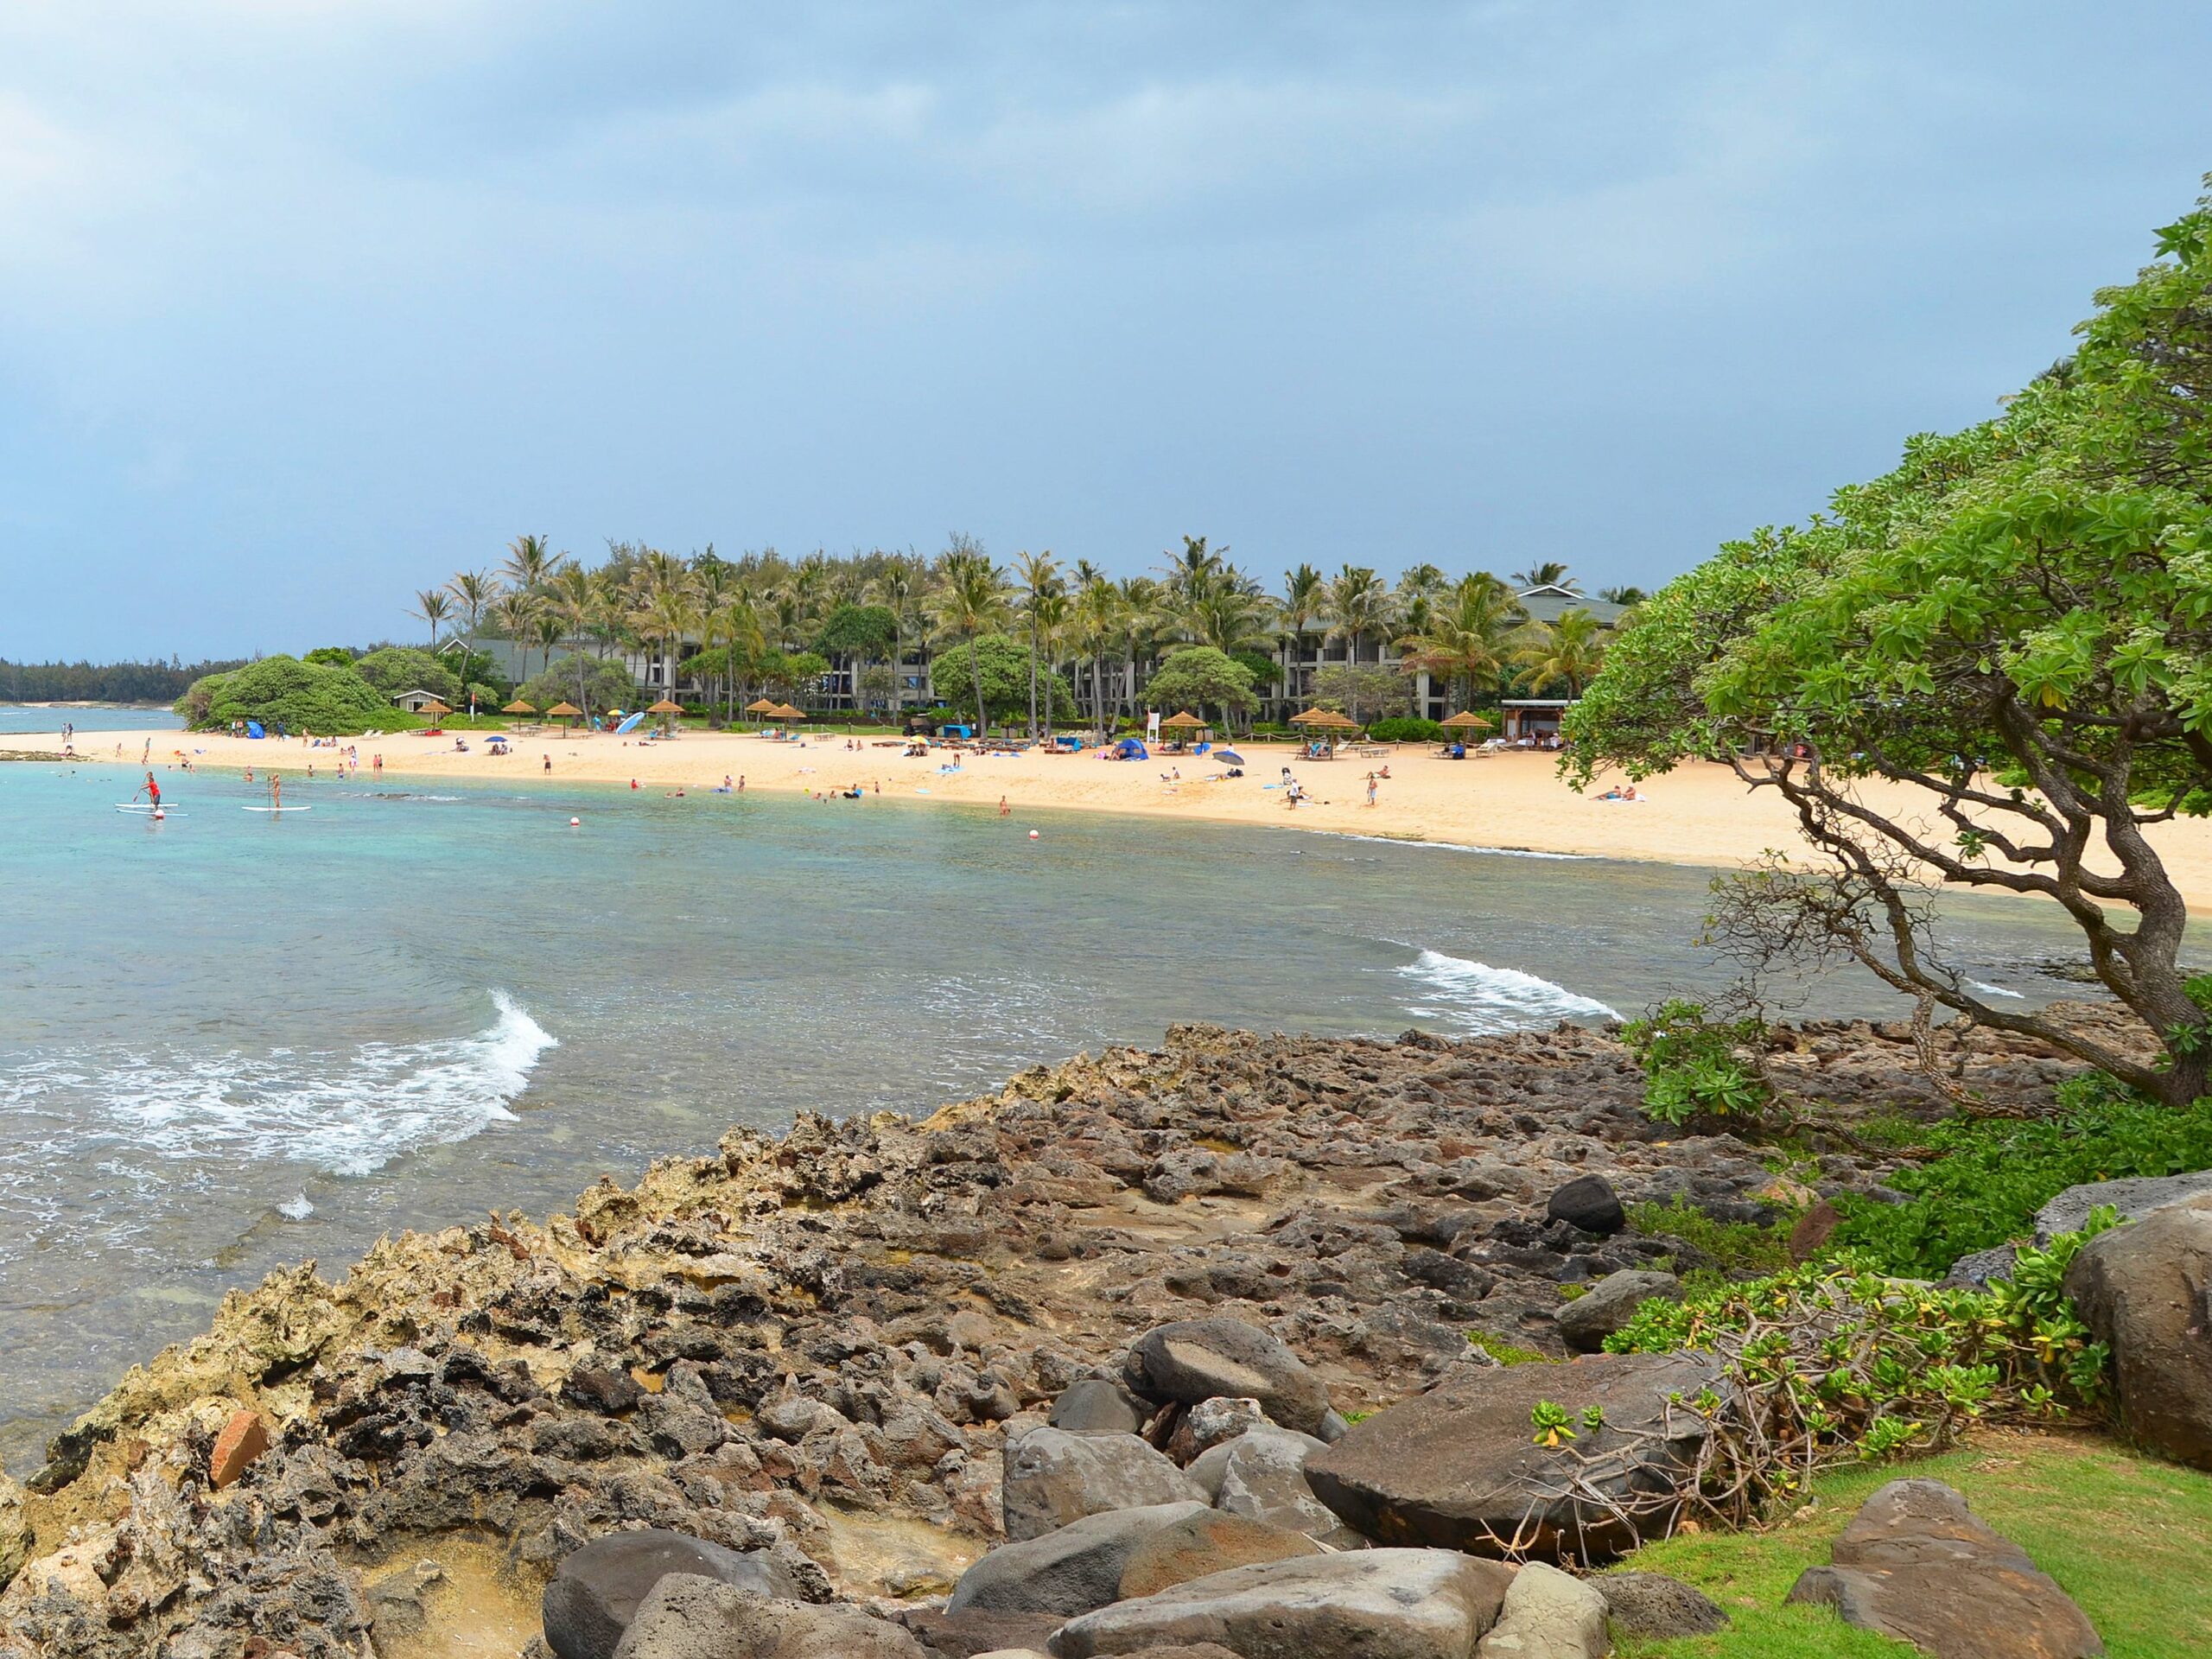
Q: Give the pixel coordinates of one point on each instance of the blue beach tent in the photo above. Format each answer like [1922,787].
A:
[253,730]
[1129,749]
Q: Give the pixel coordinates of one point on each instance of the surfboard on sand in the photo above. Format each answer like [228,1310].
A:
[277,809]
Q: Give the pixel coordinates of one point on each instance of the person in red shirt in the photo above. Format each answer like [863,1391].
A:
[149,788]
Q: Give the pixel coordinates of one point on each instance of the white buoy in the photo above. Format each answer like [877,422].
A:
[159,815]
[1032,835]
[573,822]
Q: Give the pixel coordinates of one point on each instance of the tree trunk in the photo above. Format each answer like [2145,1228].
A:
[975,673]
[1032,673]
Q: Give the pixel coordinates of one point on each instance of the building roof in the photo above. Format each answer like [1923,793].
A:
[427,696]
[1554,600]
[1535,702]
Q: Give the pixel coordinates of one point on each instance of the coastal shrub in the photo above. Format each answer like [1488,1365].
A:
[1505,1352]
[1006,682]
[395,668]
[603,686]
[1735,1246]
[198,698]
[1694,1066]
[1833,1362]
[301,696]
[1989,1176]
[1407,729]
[1199,677]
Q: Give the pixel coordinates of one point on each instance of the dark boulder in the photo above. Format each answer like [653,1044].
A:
[2134,1197]
[1456,1467]
[1372,1604]
[1589,1203]
[1067,1571]
[1915,1564]
[1190,1360]
[1053,1478]
[1653,1604]
[2146,1289]
[1584,1323]
[597,1589]
[1097,1405]
[691,1617]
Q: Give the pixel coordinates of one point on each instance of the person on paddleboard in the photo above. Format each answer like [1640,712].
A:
[275,791]
[151,789]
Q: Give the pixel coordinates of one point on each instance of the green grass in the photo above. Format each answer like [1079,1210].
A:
[1505,1352]
[1735,1246]
[2124,1535]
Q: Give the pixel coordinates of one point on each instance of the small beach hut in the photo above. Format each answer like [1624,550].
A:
[1182,724]
[565,710]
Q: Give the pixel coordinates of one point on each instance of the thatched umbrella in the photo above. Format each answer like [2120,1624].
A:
[1466,721]
[566,711]
[1312,717]
[1184,721]
[518,707]
[784,711]
[664,708]
[760,706]
[434,709]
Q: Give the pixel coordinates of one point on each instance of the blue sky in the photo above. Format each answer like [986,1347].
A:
[306,303]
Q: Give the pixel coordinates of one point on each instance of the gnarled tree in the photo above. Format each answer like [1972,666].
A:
[2013,632]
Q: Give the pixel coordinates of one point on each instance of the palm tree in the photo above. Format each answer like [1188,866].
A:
[573,601]
[473,592]
[1304,597]
[433,606]
[898,588]
[1549,573]
[549,630]
[530,563]
[1096,623]
[669,617]
[970,597]
[1569,651]
[1624,595]
[738,623]
[512,613]
[1359,604]
[1038,575]
[1469,637]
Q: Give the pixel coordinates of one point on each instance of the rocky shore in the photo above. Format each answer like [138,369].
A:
[827,1388]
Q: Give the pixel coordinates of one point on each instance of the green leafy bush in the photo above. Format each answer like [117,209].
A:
[604,685]
[1694,1066]
[1407,729]
[395,668]
[1832,1362]
[1735,1246]
[1992,1175]
[301,696]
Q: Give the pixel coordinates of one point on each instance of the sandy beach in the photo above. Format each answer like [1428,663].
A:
[1700,815]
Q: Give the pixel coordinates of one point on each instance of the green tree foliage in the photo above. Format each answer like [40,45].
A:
[395,668]
[102,682]
[862,630]
[332,656]
[606,685]
[792,674]
[1365,691]
[1199,677]
[317,698]
[2033,596]
[1006,679]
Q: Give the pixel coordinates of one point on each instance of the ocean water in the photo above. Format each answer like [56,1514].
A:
[31,717]
[230,1040]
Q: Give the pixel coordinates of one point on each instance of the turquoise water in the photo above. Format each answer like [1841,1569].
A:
[229,1040]
[28,717]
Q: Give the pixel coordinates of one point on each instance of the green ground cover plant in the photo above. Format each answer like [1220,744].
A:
[2123,1535]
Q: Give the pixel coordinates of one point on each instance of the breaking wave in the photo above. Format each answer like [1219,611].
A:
[342,1113]
[1480,999]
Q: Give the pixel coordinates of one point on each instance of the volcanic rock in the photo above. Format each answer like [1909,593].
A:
[1192,1360]
[1915,1564]
[1053,1478]
[1071,1569]
[687,1617]
[1457,1467]
[1653,1604]
[598,1588]
[1584,1323]
[1202,1543]
[2146,1289]
[1547,1614]
[1588,1202]
[1374,1604]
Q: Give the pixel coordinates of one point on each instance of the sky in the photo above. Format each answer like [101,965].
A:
[306,304]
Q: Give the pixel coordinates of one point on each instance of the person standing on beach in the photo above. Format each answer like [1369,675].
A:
[549,765]
[1370,789]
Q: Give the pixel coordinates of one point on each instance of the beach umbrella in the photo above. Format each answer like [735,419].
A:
[786,712]
[517,707]
[760,706]
[434,709]
[1466,721]
[664,707]
[1184,721]
[1228,757]
[566,711]
[1311,717]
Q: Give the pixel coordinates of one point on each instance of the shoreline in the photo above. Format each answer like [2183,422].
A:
[1511,804]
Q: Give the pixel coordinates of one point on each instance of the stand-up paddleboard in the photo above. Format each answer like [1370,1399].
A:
[149,812]
[277,809]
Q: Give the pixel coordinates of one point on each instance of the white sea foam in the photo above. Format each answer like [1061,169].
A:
[1987,990]
[1454,846]
[296,1208]
[344,1114]
[1480,998]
